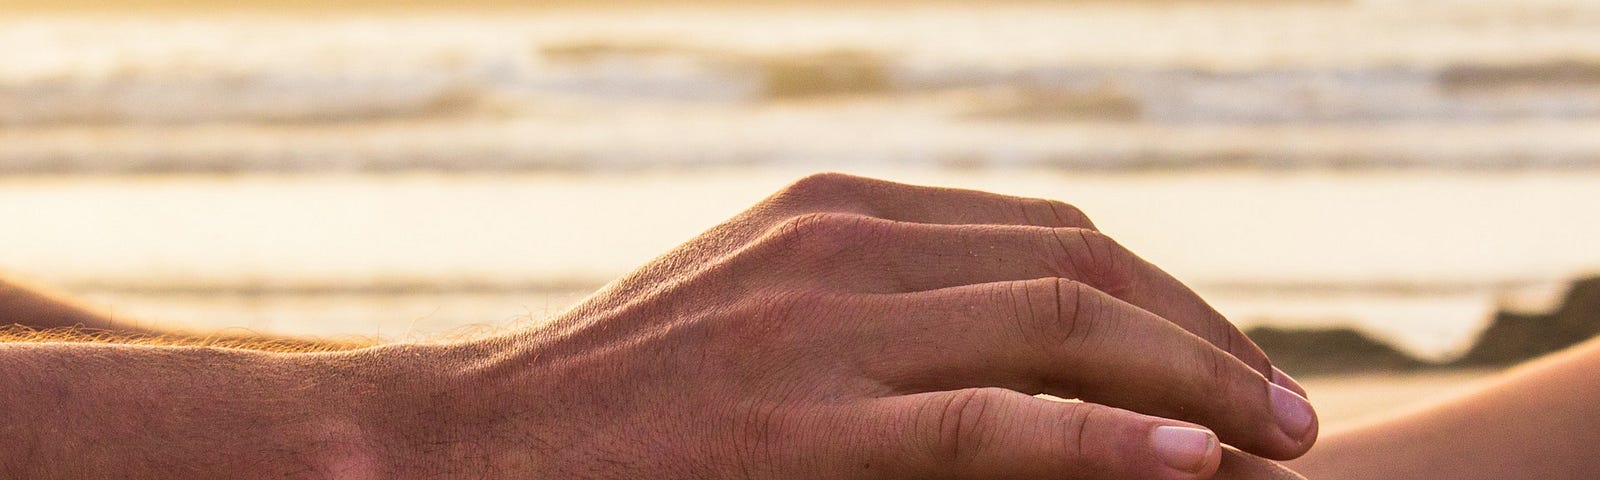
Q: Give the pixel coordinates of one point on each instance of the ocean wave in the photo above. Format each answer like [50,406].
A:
[1336,86]
[259,94]
[1561,89]
[785,138]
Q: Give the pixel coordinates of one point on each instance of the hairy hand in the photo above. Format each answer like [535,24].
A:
[853,328]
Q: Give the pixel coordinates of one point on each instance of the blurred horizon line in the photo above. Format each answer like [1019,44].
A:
[404,286]
[469,6]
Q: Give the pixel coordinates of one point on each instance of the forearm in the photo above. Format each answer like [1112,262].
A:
[30,313]
[1540,421]
[38,308]
[114,411]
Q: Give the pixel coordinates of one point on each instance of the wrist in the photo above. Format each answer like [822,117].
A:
[438,411]
[119,411]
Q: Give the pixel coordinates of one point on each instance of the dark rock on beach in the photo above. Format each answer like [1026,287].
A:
[1514,337]
[1340,350]
[1511,338]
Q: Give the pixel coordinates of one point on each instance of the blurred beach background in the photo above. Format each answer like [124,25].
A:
[1400,168]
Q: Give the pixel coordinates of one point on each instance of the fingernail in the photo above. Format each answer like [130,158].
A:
[1286,381]
[1294,413]
[1183,448]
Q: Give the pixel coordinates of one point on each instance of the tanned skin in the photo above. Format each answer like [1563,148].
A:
[31,313]
[1537,421]
[844,328]
[41,310]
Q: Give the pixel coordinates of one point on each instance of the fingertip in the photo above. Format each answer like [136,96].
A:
[1297,421]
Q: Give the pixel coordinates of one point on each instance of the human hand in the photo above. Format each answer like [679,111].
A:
[854,328]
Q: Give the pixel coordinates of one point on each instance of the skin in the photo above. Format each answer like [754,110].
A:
[843,328]
[39,309]
[30,313]
[1537,421]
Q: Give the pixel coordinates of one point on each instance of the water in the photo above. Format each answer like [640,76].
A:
[1401,166]
[1373,84]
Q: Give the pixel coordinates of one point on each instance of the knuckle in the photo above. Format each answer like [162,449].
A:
[1236,343]
[1062,315]
[963,423]
[828,188]
[1218,331]
[1093,257]
[1217,362]
[1069,214]
[1226,337]
[1081,423]
[824,234]
[1224,374]
[824,182]
[1055,213]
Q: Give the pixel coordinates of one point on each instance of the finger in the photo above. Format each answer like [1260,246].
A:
[894,256]
[997,433]
[1238,465]
[1064,338]
[840,193]
[845,194]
